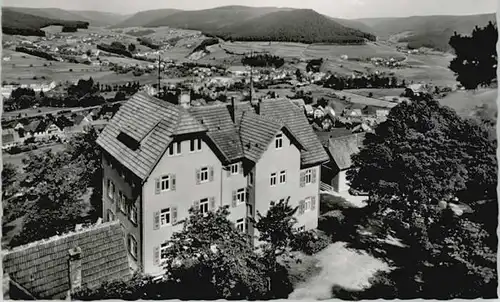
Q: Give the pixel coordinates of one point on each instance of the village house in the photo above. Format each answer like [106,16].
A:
[160,159]
[56,267]
[340,145]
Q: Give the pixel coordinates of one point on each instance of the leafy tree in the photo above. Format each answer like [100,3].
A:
[475,63]
[52,196]
[84,151]
[9,174]
[211,255]
[426,160]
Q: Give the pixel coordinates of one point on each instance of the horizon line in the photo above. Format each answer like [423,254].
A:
[282,7]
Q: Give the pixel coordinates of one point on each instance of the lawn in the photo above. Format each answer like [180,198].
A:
[467,103]
[339,266]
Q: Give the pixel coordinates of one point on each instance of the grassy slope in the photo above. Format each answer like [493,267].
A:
[145,17]
[95,18]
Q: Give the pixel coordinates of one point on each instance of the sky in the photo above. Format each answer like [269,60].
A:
[350,9]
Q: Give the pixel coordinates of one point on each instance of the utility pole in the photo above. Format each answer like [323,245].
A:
[159,72]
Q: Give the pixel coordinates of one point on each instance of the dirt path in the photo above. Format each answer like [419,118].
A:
[340,266]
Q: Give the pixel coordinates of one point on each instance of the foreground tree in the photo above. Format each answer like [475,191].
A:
[9,174]
[475,63]
[276,235]
[208,259]
[51,197]
[211,255]
[84,151]
[432,179]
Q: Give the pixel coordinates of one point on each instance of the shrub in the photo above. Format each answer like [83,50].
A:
[310,242]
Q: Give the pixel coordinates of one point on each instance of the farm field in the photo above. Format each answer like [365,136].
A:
[378,92]
[467,103]
[17,159]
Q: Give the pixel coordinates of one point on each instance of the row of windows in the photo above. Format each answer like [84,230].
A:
[168,216]
[168,182]
[176,147]
[122,205]
[282,178]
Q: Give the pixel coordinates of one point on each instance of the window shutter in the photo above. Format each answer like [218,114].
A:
[247,195]
[197,176]
[117,204]
[313,175]
[157,187]
[233,204]
[301,207]
[174,214]
[240,167]
[196,205]
[212,203]
[228,171]
[156,255]
[302,179]
[172,178]
[156,220]
[211,173]
[313,202]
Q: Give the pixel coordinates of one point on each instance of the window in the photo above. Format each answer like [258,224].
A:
[278,142]
[165,217]
[308,176]
[240,195]
[204,205]
[240,225]
[234,168]
[273,179]
[132,246]
[165,183]
[195,145]
[282,177]
[111,215]
[307,204]
[250,178]
[122,202]
[249,210]
[204,174]
[163,251]
[132,213]
[301,228]
[111,189]
[174,149]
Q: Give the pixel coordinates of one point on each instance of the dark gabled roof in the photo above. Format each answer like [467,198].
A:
[342,148]
[293,117]
[152,123]
[221,130]
[256,133]
[63,122]
[324,136]
[42,267]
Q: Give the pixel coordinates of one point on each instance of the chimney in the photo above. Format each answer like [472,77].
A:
[75,268]
[184,99]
